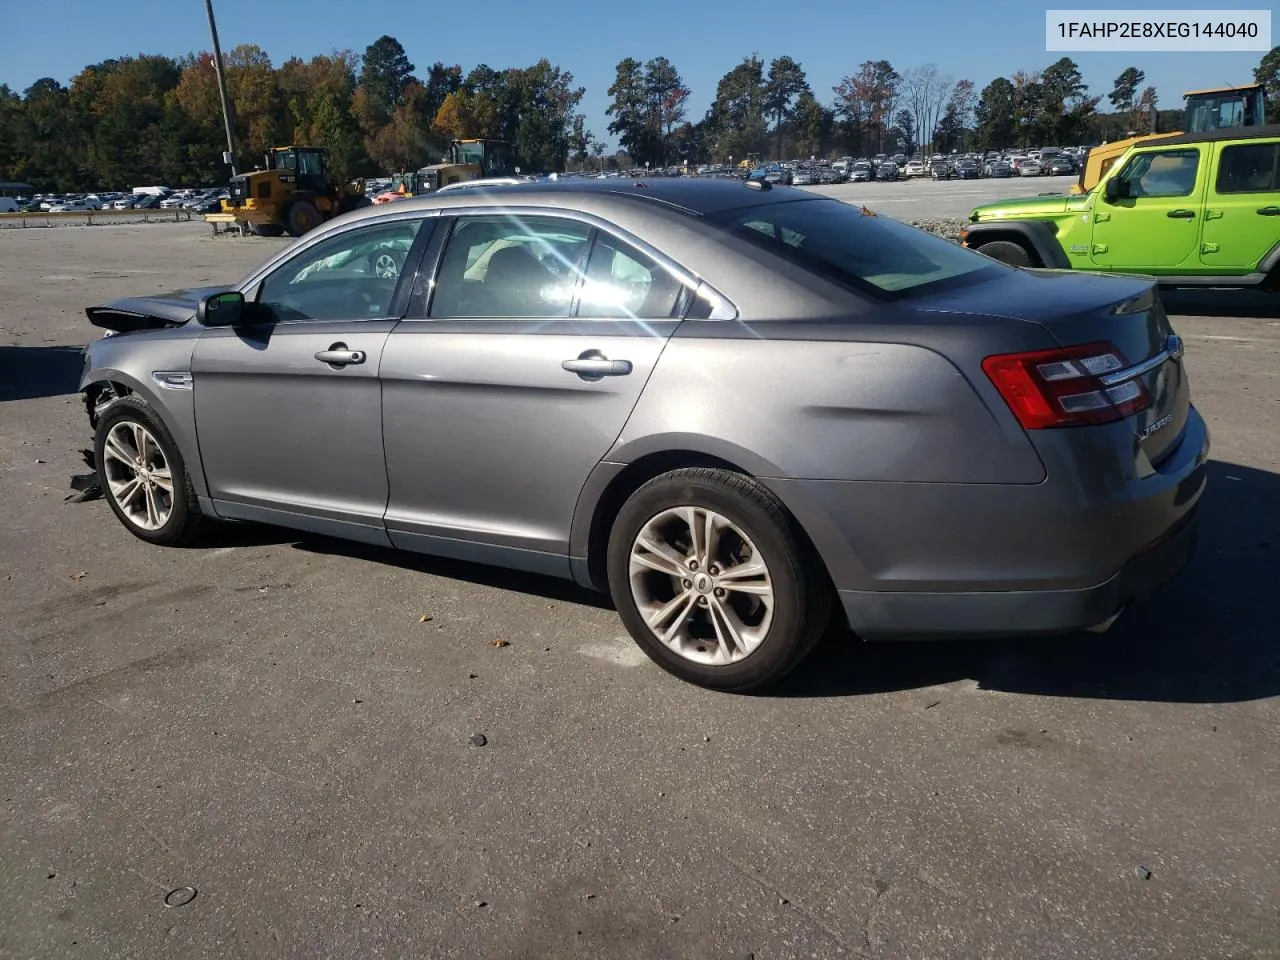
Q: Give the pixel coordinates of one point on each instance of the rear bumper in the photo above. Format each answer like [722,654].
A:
[942,616]
[936,560]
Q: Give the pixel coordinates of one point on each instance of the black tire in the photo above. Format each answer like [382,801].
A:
[266,229]
[185,519]
[802,590]
[1008,251]
[301,216]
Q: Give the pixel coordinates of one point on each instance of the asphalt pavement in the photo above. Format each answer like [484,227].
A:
[286,725]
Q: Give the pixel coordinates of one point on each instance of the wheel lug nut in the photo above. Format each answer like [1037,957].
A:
[719,591]
[713,569]
[702,601]
[686,583]
[693,564]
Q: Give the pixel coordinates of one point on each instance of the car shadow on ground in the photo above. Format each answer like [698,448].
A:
[1209,636]
[29,373]
[1245,304]
[552,588]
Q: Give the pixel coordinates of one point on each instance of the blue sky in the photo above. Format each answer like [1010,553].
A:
[978,41]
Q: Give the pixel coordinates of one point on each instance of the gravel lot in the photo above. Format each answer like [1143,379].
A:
[268,719]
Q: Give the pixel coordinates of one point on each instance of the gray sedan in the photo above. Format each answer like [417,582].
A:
[740,409]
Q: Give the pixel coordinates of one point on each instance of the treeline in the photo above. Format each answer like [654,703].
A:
[150,119]
[771,110]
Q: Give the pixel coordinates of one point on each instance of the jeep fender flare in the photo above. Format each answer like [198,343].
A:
[1037,236]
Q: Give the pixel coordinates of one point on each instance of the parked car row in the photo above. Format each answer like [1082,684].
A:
[204,200]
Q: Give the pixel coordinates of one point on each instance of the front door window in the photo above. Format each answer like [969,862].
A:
[351,276]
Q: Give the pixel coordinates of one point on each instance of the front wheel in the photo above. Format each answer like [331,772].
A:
[1006,251]
[141,471]
[715,581]
[301,217]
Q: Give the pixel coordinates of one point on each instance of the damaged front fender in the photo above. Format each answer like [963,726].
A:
[124,364]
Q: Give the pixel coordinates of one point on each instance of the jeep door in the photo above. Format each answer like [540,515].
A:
[1242,216]
[1156,228]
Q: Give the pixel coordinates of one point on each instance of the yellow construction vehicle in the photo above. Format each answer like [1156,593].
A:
[467,160]
[1213,109]
[291,194]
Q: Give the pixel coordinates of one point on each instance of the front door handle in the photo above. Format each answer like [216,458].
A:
[593,365]
[339,356]
[1181,214]
[1269,211]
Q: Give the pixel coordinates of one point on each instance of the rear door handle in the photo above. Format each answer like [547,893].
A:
[1181,214]
[339,356]
[593,366]
[1269,211]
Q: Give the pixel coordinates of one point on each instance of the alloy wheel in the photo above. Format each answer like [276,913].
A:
[138,476]
[701,585]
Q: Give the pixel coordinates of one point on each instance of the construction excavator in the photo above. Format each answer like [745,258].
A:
[1213,109]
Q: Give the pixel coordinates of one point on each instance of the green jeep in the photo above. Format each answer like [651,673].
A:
[1198,209]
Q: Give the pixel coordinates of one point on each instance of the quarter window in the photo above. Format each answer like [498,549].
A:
[1167,173]
[622,282]
[509,267]
[351,276]
[1250,168]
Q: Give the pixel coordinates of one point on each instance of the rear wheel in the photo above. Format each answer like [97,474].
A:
[714,580]
[301,217]
[1008,251]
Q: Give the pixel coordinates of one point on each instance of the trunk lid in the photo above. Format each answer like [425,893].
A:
[149,313]
[1127,312]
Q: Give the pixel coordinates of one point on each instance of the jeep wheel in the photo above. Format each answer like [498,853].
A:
[1008,251]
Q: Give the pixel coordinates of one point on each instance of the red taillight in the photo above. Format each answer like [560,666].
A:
[1062,388]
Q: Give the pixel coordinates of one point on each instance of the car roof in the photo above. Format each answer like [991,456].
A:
[1222,133]
[690,194]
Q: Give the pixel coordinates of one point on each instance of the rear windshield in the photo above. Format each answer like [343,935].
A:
[853,245]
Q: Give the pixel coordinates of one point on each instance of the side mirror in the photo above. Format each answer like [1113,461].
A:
[1116,189]
[221,309]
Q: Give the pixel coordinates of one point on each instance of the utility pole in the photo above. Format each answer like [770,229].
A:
[222,87]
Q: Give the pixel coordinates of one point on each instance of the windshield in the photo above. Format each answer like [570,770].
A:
[854,245]
[469,152]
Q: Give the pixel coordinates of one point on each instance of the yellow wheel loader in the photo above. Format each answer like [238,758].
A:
[467,160]
[291,194]
[1213,109]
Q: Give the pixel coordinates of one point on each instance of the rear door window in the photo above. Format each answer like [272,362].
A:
[1249,168]
[509,266]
